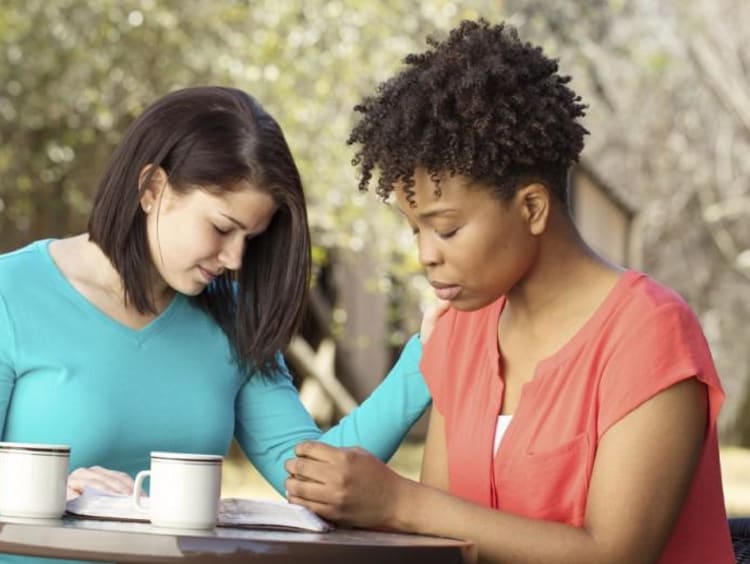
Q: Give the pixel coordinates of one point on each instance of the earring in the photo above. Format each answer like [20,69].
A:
[147,208]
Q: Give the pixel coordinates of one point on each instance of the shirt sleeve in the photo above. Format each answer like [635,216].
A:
[664,348]
[7,372]
[271,419]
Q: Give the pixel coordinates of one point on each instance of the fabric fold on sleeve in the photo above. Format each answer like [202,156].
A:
[665,348]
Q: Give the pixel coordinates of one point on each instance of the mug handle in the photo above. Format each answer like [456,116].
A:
[137,488]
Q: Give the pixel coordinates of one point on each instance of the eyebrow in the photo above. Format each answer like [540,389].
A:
[431,214]
[235,221]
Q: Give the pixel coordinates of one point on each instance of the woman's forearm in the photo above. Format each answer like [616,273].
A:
[499,536]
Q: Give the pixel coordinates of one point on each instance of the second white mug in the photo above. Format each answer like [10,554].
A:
[33,479]
[185,490]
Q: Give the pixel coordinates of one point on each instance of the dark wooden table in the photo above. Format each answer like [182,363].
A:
[88,539]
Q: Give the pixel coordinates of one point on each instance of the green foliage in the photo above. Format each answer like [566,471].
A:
[78,71]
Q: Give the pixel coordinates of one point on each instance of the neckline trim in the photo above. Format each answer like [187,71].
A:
[623,283]
[152,327]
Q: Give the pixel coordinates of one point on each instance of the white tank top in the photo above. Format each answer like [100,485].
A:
[502,425]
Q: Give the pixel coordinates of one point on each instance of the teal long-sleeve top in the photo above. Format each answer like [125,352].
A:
[69,374]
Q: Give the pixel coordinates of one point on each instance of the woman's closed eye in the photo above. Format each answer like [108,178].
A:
[442,234]
[222,230]
[447,234]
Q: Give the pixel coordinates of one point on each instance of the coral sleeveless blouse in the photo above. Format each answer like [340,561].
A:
[642,339]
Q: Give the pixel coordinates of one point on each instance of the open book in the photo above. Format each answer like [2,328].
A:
[233,512]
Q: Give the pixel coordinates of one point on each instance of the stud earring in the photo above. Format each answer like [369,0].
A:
[147,209]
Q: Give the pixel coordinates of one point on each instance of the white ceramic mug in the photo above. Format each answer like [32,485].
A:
[33,480]
[185,490]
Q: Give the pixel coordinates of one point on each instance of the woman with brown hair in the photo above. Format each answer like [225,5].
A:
[160,328]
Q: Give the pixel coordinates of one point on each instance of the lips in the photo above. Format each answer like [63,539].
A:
[446,291]
[208,275]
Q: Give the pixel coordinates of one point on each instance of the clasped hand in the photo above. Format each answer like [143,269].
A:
[348,486]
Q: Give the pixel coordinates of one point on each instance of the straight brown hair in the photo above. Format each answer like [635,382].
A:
[212,138]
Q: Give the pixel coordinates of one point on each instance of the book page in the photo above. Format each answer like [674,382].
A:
[233,512]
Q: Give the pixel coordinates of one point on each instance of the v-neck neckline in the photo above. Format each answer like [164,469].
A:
[494,357]
[141,334]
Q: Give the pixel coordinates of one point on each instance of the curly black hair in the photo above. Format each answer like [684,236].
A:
[481,104]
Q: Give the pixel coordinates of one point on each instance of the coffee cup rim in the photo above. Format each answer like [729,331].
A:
[9,446]
[186,456]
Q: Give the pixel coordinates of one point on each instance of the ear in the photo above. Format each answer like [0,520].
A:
[534,200]
[152,181]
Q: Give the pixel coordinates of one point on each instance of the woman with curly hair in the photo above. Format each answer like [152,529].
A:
[574,401]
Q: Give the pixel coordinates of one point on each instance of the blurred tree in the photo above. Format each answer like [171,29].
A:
[76,72]
[669,88]
[667,83]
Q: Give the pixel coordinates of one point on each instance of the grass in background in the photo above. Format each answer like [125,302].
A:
[735,473]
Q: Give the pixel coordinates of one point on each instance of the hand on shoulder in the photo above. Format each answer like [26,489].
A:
[430,317]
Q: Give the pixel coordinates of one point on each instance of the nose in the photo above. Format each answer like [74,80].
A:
[231,253]
[429,255]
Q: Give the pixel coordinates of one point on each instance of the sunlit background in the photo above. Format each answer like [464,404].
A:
[664,184]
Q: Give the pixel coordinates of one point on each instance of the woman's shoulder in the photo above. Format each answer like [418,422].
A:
[652,291]
[646,299]
[25,253]
[18,267]
[652,325]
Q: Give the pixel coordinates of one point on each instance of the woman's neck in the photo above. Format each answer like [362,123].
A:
[100,273]
[568,278]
